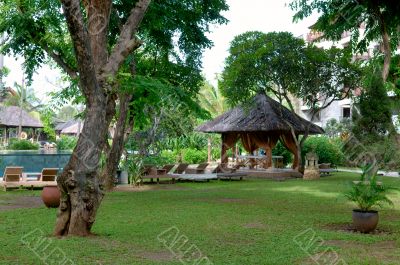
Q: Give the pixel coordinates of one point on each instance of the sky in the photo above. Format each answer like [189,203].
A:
[243,15]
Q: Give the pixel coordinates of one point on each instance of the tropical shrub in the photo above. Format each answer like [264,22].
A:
[280,150]
[66,142]
[328,149]
[368,192]
[193,156]
[134,165]
[160,160]
[16,144]
[170,157]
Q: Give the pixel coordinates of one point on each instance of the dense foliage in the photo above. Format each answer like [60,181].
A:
[280,150]
[328,150]
[66,142]
[17,144]
[280,64]
[373,120]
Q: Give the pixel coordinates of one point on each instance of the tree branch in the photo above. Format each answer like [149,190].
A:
[126,42]
[80,39]
[71,71]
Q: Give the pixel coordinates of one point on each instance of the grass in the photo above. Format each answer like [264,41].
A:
[237,222]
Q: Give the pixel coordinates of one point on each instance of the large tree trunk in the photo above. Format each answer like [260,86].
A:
[81,192]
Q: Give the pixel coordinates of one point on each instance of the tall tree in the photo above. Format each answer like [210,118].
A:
[94,43]
[282,65]
[381,19]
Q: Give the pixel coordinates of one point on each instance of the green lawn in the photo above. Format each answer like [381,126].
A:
[230,222]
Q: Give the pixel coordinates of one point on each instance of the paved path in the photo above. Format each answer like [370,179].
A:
[380,172]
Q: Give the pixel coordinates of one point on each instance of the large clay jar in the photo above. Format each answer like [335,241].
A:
[51,196]
[365,222]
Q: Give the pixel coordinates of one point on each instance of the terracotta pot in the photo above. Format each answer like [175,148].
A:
[365,222]
[51,196]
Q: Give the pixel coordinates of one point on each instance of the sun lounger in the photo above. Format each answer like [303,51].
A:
[326,169]
[48,174]
[221,168]
[12,177]
[200,169]
[231,176]
[152,172]
[181,168]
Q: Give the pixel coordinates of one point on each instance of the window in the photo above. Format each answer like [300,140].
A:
[346,112]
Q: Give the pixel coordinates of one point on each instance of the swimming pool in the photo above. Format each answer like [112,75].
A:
[34,161]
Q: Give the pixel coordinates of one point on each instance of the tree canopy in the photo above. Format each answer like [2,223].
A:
[283,65]
[381,20]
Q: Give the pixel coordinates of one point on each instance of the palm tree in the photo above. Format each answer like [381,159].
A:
[23,97]
[212,100]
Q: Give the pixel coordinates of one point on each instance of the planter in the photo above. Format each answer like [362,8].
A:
[365,222]
[51,196]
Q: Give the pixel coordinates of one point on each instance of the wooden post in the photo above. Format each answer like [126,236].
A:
[209,150]
[5,135]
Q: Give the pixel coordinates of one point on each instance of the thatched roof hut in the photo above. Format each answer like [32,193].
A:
[12,116]
[260,124]
[263,114]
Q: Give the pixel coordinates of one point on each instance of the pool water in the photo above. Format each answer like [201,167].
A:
[34,160]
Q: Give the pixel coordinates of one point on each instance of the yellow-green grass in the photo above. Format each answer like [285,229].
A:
[230,222]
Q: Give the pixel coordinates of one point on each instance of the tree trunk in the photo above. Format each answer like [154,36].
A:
[81,192]
[115,152]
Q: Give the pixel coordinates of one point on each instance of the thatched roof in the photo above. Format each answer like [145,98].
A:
[263,114]
[70,127]
[10,117]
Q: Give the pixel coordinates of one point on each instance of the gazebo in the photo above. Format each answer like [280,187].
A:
[13,117]
[260,124]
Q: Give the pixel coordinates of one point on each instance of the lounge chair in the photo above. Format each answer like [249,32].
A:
[200,169]
[326,169]
[168,167]
[48,174]
[181,168]
[222,168]
[152,172]
[12,177]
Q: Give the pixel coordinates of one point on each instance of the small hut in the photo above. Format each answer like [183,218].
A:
[13,117]
[260,124]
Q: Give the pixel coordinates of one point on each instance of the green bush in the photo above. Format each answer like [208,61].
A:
[328,149]
[166,157]
[16,144]
[194,156]
[66,142]
[170,156]
[280,150]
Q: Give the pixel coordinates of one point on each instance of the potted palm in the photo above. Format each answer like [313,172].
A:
[367,194]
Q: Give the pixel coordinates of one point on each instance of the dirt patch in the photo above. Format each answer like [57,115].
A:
[384,252]
[20,202]
[159,256]
[350,229]
[255,225]
[129,188]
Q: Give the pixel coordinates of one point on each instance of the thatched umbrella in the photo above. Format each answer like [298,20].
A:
[260,124]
